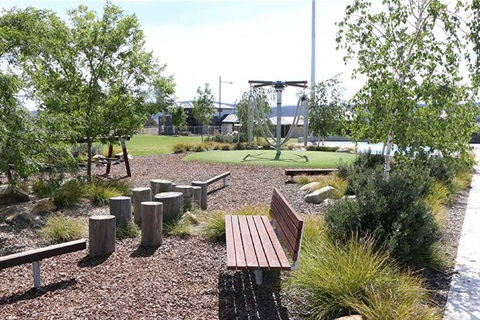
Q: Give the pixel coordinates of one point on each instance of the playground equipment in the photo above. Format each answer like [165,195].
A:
[254,114]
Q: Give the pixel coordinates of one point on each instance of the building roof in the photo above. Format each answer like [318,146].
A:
[286,121]
[231,118]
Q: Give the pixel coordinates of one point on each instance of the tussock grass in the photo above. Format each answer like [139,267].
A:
[100,195]
[213,225]
[61,229]
[179,228]
[127,230]
[353,278]
[69,194]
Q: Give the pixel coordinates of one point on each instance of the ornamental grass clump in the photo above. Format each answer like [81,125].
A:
[336,278]
[127,230]
[59,229]
[68,194]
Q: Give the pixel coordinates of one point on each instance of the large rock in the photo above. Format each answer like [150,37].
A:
[310,187]
[320,195]
[43,206]
[350,197]
[9,194]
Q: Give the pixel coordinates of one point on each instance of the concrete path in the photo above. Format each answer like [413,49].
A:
[464,296]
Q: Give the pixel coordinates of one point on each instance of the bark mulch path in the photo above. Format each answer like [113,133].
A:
[183,278]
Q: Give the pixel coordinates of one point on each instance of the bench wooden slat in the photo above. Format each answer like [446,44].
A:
[257,242]
[267,245]
[240,261]
[282,258]
[41,253]
[231,257]
[248,248]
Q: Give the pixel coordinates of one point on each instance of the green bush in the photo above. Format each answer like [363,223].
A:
[61,229]
[393,212]
[44,188]
[336,279]
[69,193]
[323,148]
[181,147]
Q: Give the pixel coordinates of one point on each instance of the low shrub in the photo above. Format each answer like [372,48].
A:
[179,228]
[200,147]
[127,230]
[181,147]
[323,148]
[69,193]
[61,229]
[335,279]
[44,188]
[393,212]
[100,195]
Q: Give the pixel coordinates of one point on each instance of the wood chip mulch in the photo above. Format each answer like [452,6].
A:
[184,278]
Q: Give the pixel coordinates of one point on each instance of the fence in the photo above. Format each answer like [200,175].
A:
[172,130]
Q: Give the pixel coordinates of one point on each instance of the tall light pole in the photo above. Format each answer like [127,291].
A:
[312,79]
[220,96]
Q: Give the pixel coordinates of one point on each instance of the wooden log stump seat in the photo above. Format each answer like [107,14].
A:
[139,195]
[101,235]
[187,195]
[121,208]
[172,205]
[203,193]
[196,196]
[34,256]
[152,219]
[158,186]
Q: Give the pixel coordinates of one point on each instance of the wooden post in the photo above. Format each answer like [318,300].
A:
[121,208]
[196,196]
[139,195]
[152,218]
[125,156]
[172,205]
[110,155]
[101,235]
[158,186]
[187,195]
[203,195]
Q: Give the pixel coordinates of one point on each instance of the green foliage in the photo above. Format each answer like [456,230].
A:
[68,194]
[100,194]
[243,105]
[326,109]
[392,212]
[61,229]
[202,106]
[45,188]
[414,89]
[335,279]
[127,230]
[322,148]
[182,147]
[179,228]
[178,116]
[90,75]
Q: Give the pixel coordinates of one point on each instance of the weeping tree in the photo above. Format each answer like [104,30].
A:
[326,114]
[245,103]
[414,97]
[93,72]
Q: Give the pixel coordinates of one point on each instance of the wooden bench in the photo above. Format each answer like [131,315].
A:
[35,255]
[204,185]
[309,172]
[254,244]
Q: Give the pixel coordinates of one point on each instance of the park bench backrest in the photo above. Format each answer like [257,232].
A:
[288,224]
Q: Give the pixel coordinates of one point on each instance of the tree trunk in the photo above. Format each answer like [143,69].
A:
[388,157]
[121,208]
[89,159]
[101,235]
[152,218]
[172,205]
[139,195]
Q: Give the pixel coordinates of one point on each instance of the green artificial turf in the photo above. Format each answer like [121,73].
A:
[287,159]
[145,145]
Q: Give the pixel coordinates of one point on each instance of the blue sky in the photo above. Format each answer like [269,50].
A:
[237,40]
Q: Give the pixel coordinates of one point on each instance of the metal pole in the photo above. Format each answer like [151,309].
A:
[279,122]
[312,78]
[219,98]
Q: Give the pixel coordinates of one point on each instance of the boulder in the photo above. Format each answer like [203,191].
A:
[329,201]
[43,206]
[9,194]
[351,197]
[320,195]
[310,187]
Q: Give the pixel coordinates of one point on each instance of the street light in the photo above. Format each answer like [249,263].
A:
[220,97]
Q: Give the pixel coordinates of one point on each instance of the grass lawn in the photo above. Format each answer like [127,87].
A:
[288,159]
[144,145]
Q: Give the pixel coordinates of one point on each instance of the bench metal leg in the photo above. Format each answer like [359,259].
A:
[225,182]
[36,274]
[258,277]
